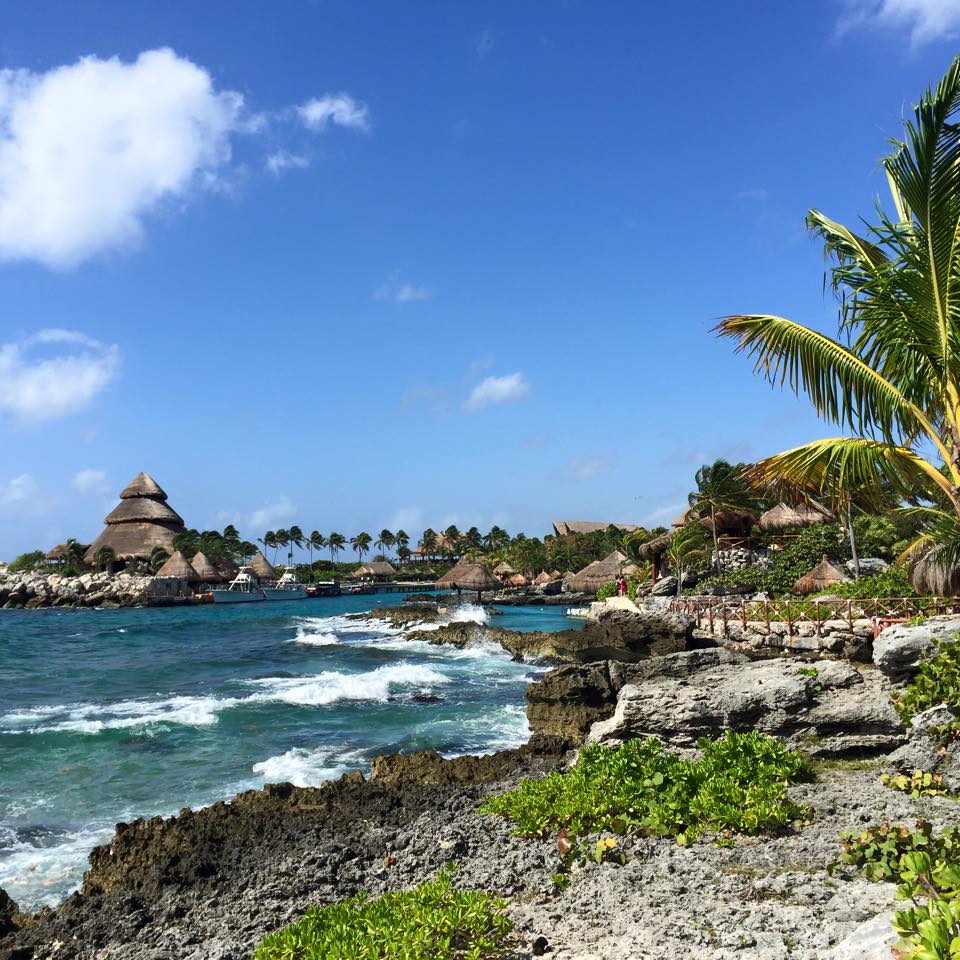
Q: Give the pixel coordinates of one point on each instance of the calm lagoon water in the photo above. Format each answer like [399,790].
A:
[113,714]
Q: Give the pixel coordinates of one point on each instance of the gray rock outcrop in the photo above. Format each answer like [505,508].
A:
[899,649]
[927,751]
[32,590]
[833,709]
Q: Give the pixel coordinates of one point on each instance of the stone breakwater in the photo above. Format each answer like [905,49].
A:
[33,590]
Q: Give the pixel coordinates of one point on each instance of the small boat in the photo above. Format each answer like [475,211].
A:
[288,587]
[243,588]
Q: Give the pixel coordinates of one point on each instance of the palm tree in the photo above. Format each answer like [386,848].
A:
[105,557]
[428,542]
[401,540]
[269,542]
[73,553]
[361,543]
[893,380]
[384,541]
[474,539]
[158,557]
[281,540]
[296,540]
[452,537]
[687,547]
[720,486]
[336,542]
[316,541]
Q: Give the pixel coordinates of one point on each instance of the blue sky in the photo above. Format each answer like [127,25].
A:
[352,265]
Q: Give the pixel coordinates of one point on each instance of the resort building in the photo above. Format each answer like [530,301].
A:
[561,528]
[141,522]
[377,571]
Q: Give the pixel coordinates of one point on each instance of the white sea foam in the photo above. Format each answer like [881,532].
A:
[345,625]
[492,730]
[308,768]
[314,638]
[469,613]
[332,687]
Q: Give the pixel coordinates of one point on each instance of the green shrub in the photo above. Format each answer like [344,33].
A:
[919,784]
[925,865]
[606,591]
[27,561]
[737,786]
[937,681]
[431,922]
[892,582]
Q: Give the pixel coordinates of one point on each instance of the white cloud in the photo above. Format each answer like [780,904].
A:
[88,149]
[925,19]
[338,108]
[586,468]
[484,43]
[506,389]
[283,160]
[396,290]
[90,481]
[754,193]
[19,490]
[668,512]
[273,513]
[47,387]
[409,519]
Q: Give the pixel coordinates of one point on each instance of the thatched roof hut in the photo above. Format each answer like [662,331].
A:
[469,576]
[823,576]
[681,520]
[655,548]
[930,575]
[593,576]
[140,523]
[555,575]
[542,578]
[375,570]
[503,570]
[518,580]
[731,523]
[262,567]
[786,517]
[179,566]
[562,528]
[206,571]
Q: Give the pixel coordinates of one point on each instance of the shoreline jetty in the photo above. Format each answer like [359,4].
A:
[212,883]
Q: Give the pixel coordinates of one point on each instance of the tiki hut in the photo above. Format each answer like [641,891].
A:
[732,524]
[206,571]
[140,523]
[823,576]
[503,570]
[595,575]
[563,528]
[681,520]
[542,578]
[469,576]
[556,575]
[226,568]
[180,567]
[786,517]
[653,550]
[378,571]
[262,568]
[518,580]
[930,575]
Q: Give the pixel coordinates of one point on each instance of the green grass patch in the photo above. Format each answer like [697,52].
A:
[937,681]
[433,921]
[737,786]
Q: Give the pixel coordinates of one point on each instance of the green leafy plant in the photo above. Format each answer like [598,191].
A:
[918,784]
[606,591]
[937,681]
[808,671]
[737,786]
[433,921]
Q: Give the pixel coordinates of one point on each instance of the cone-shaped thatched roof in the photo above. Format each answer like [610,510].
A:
[139,524]
[821,577]
[206,571]
[555,574]
[469,576]
[542,578]
[503,569]
[929,575]
[262,568]
[518,580]
[596,574]
[786,517]
[143,485]
[375,568]
[655,548]
[179,566]
[680,520]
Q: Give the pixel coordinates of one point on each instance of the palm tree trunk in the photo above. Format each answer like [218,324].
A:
[716,540]
[853,542]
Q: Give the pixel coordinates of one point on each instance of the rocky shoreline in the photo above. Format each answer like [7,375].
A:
[211,883]
[31,591]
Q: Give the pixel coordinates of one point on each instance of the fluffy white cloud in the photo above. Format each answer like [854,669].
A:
[53,374]
[409,519]
[90,481]
[283,160]
[338,108]
[86,150]
[273,513]
[506,389]
[19,490]
[396,290]
[586,468]
[925,19]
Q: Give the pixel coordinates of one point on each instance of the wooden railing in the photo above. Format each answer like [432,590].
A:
[715,614]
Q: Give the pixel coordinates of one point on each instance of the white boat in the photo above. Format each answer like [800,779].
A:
[288,587]
[243,588]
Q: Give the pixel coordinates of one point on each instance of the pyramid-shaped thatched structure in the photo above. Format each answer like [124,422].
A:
[179,566]
[206,571]
[141,522]
[262,567]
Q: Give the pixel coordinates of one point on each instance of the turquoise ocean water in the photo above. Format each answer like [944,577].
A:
[109,715]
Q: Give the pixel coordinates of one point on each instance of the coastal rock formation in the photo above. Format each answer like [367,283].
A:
[833,709]
[835,639]
[899,649]
[32,590]
[567,701]
[926,751]
[8,913]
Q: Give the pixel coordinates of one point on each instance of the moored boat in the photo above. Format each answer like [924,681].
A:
[288,587]
[243,588]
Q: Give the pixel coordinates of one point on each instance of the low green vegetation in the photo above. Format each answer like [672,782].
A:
[926,867]
[27,562]
[937,681]
[737,786]
[433,921]
[918,784]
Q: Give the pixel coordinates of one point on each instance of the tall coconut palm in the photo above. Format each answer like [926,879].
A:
[720,487]
[892,376]
[401,540]
[269,542]
[73,552]
[296,540]
[316,541]
[384,541]
[686,549]
[105,558]
[361,544]
[428,542]
[336,542]
[281,541]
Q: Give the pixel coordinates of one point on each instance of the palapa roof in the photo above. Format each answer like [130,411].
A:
[680,520]
[206,571]
[563,527]
[556,574]
[262,567]
[518,580]
[179,566]
[55,553]
[930,575]
[139,524]
[731,520]
[469,576]
[821,577]
[375,568]
[786,517]
[441,542]
[657,546]
[541,578]
[600,572]
[503,569]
